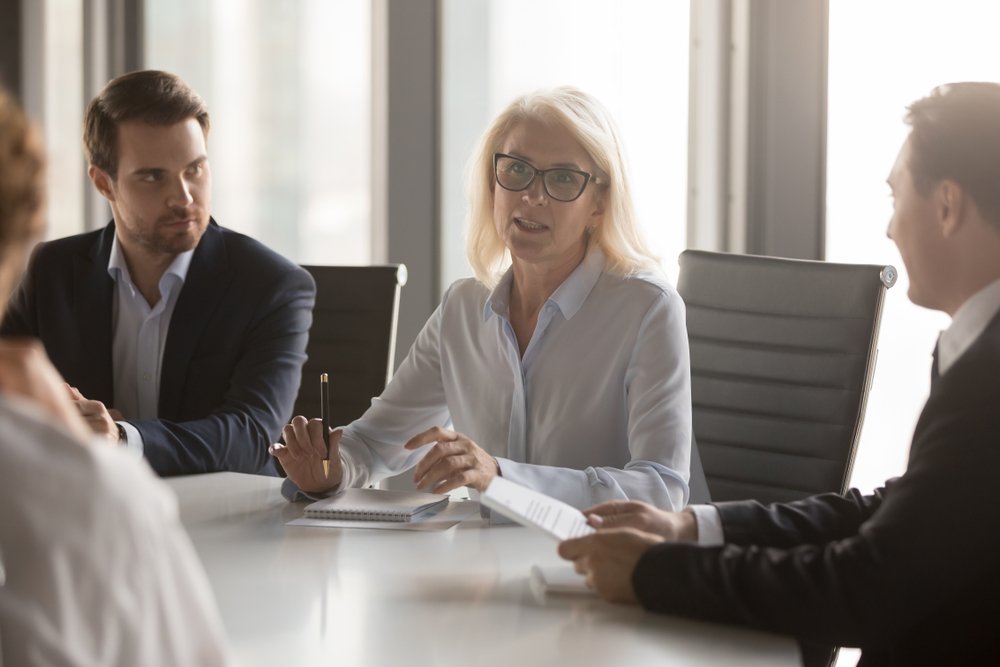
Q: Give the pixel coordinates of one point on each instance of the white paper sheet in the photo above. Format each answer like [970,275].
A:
[559,579]
[531,508]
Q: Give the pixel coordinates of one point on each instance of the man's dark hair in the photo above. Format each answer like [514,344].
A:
[956,136]
[149,96]
[22,176]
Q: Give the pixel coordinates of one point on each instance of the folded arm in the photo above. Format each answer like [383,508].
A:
[262,387]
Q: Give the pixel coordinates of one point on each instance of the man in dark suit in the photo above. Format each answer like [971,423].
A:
[194,334]
[910,573]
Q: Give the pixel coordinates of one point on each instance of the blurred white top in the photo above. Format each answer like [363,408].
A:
[96,569]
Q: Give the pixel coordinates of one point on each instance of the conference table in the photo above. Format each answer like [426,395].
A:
[294,595]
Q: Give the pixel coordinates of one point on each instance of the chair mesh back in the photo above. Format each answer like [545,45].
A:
[782,353]
[352,338]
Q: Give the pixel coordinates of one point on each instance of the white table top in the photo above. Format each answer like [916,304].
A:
[346,597]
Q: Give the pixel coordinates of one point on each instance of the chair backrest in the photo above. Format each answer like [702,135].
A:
[782,355]
[353,338]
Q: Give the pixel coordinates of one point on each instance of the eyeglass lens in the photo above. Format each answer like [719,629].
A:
[560,184]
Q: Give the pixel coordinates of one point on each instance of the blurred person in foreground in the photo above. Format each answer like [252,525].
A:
[95,568]
[910,572]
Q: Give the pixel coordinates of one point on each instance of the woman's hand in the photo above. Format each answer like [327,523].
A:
[672,526]
[453,462]
[303,453]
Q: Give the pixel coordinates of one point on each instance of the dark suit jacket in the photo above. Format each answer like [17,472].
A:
[233,357]
[911,574]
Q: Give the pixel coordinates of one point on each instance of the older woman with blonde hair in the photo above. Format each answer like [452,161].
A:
[563,365]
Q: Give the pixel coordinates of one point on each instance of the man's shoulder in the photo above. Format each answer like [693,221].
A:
[247,255]
[64,248]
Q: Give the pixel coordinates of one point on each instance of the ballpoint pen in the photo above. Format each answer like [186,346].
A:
[324,406]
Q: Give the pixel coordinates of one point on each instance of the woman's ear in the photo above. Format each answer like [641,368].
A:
[600,205]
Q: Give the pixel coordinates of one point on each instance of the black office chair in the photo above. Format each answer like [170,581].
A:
[782,355]
[353,338]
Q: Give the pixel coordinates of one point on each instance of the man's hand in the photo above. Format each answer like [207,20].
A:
[303,452]
[607,559]
[26,371]
[671,526]
[453,462]
[97,417]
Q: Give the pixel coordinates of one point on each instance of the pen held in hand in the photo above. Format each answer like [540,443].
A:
[324,406]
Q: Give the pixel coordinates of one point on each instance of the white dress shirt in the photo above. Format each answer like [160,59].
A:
[599,407]
[966,326]
[95,569]
[969,322]
[139,334]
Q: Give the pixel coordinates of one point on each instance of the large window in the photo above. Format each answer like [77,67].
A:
[633,57]
[53,94]
[288,85]
[884,55]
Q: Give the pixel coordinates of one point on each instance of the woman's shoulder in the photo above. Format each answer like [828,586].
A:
[465,292]
[644,285]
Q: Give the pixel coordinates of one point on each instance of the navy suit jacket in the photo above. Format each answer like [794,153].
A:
[911,573]
[233,357]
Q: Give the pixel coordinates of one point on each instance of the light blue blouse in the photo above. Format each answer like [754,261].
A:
[599,407]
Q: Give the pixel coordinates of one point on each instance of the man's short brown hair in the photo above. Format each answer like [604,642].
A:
[22,175]
[149,96]
[956,136]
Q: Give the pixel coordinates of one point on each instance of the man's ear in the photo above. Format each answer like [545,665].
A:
[102,181]
[951,206]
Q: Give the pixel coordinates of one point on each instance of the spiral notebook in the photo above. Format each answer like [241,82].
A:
[376,505]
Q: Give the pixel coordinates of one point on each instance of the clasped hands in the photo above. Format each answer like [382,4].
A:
[99,418]
[626,529]
[454,460]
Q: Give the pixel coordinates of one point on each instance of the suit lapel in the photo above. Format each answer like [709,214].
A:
[207,280]
[94,290]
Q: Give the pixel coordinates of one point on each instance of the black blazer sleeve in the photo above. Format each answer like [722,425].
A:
[910,565]
[232,360]
[815,520]
[240,384]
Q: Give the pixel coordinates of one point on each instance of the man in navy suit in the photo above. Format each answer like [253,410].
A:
[179,339]
[910,573]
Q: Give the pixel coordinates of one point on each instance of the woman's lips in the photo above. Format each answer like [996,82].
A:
[529,226]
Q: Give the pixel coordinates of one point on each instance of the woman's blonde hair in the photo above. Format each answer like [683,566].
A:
[592,126]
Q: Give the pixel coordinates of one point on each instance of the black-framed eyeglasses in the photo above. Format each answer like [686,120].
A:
[560,183]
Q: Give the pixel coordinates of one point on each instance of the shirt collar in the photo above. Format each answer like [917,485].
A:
[569,296]
[968,324]
[118,268]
